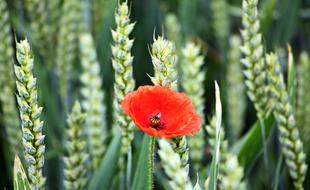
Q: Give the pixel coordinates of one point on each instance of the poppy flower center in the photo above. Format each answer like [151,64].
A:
[156,123]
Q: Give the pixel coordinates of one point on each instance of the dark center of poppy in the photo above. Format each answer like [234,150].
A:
[156,123]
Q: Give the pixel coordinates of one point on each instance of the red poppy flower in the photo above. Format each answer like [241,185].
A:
[162,112]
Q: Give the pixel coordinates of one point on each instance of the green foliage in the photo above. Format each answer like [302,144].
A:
[106,173]
[75,163]
[93,97]
[141,180]
[250,146]
[30,112]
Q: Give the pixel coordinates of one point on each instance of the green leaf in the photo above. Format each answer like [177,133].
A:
[250,147]
[141,178]
[286,26]
[20,178]
[104,176]
[216,158]
[267,14]
[291,77]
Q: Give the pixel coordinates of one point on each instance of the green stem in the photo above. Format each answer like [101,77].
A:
[263,130]
[265,151]
[151,159]
[129,167]
[278,172]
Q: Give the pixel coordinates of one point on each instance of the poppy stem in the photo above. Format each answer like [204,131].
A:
[151,159]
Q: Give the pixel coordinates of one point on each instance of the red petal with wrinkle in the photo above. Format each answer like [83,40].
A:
[178,114]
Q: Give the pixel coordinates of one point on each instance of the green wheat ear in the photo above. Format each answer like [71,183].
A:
[172,164]
[236,101]
[254,64]
[30,112]
[292,146]
[303,98]
[93,97]
[67,47]
[76,161]
[38,15]
[122,64]
[192,83]
[221,22]
[163,59]
[7,98]
[174,34]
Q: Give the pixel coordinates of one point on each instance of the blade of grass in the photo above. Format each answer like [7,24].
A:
[250,146]
[20,178]
[278,172]
[216,158]
[291,76]
[267,14]
[141,178]
[104,177]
